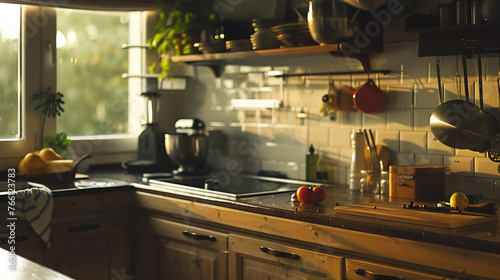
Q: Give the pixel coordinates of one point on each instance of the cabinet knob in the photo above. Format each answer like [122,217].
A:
[279,254]
[199,236]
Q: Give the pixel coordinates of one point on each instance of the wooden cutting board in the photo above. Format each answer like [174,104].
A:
[415,217]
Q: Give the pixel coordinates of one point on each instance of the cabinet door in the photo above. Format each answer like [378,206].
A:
[178,251]
[28,245]
[252,258]
[80,250]
[361,270]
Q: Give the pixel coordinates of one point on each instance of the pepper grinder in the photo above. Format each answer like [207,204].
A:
[357,160]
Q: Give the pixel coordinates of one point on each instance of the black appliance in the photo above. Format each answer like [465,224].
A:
[152,156]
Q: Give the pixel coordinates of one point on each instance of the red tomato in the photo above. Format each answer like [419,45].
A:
[311,195]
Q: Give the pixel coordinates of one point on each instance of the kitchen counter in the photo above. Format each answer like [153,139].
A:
[482,237]
[23,268]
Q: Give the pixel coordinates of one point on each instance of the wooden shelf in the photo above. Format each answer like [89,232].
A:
[217,60]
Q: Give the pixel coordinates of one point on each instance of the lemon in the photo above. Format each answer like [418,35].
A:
[34,162]
[459,200]
[49,154]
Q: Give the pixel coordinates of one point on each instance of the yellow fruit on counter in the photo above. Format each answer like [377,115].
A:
[459,200]
[34,163]
[22,169]
[61,165]
[49,154]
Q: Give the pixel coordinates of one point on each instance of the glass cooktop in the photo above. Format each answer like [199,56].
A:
[225,186]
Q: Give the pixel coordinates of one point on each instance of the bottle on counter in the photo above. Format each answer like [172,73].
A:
[357,160]
[311,163]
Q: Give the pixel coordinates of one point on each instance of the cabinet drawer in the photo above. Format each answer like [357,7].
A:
[354,268]
[190,234]
[245,251]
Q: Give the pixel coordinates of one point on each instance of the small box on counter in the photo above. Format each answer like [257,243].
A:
[419,182]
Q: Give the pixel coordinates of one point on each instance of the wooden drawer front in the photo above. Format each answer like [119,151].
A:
[373,268]
[190,234]
[247,252]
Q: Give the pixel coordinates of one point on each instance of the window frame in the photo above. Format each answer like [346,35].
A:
[37,71]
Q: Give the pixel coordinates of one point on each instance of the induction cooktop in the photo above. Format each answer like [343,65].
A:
[225,186]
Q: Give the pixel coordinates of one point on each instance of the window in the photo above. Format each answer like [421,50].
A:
[90,63]
[9,71]
[103,111]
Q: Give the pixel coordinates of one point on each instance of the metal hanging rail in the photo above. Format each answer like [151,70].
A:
[335,73]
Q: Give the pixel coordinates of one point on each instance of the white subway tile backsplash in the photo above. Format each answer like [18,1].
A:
[351,119]
[435,160]
[375,121]
[426,97]
[468,153]
[388,138]
[486,168]
[398,97]
[491,68]
[462,166]
[414,142]
[436,147]
[490,94]
[269,164]
[485,187]
[421,119]
[341,137]
[290,168]
[399,119]
[404,159]
[319,136]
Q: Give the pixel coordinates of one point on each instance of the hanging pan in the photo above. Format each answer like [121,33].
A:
[459,123]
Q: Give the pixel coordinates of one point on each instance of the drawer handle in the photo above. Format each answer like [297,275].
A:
[196,236]
[279,254]
[373,276]
[18,239]
[84,228]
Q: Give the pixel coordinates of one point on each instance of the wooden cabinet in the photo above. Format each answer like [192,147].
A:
[172,250]
[359,270]
[28,245]
[92,249]
[259,258]
[81,250]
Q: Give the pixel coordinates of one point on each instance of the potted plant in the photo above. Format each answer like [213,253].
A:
[50,103]
[180,25]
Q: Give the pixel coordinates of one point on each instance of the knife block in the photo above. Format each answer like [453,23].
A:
[417,182]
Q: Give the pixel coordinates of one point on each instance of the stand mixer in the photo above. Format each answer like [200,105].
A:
[152,156]
[188,147]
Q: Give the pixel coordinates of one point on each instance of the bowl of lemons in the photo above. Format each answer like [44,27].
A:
[47,167]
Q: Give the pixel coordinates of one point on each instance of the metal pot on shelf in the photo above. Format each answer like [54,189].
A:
[330,22]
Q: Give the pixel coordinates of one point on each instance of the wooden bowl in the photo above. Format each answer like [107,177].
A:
[54,180]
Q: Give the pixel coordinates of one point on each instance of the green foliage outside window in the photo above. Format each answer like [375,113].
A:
[90,63]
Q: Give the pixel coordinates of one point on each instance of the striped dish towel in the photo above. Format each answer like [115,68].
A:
[35,205]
